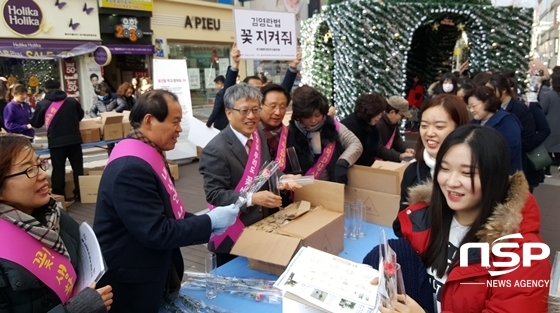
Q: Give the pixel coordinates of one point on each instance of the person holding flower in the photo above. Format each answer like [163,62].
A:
[473,199]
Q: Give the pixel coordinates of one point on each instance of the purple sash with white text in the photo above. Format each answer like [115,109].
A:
[251,171]
[139,149]
[281,150]
[49,266]
[319,167]
[51,112]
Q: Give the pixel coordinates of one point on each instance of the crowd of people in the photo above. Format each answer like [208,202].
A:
[469,180]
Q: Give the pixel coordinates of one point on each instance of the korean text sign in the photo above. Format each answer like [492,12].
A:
[263,35]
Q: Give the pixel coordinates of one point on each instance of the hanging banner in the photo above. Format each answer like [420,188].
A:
[71,85]
[172,75]
[263,35]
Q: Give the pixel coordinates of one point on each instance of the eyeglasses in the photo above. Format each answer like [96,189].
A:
[33,171]
[274,107]
[472,106]
[245,112]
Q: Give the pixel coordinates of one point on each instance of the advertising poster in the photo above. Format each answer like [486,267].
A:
[173,75]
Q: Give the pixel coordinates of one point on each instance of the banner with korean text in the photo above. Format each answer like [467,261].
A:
[264,35]
[172,75]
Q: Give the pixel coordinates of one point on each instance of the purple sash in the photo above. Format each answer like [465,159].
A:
[252,169]
[325,158]
[281,151]
[49,266]
[139,149]
[390,142]
[51,112]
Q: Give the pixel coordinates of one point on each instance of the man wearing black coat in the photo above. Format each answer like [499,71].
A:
[63,134]
[135,219]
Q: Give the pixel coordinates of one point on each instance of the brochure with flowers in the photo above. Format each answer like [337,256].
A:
[329,283]
[387,291]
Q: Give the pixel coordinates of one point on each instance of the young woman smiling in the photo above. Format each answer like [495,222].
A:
[441,115]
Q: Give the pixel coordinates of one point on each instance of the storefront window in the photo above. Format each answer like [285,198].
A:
[30,73]
[273,71]
[204,63]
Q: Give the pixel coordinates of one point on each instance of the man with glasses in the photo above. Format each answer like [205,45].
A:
[274,106]
[393,148]
[226,163]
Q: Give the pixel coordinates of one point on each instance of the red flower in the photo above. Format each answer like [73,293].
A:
[258,297]
[390,269]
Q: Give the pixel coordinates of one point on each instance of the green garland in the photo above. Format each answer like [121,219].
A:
[371,40]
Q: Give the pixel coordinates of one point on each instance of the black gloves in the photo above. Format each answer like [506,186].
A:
[341,172]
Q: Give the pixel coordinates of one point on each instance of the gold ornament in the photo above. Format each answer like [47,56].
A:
[328,36]
[461,27]
[33,81]
[435,27]
[397,35]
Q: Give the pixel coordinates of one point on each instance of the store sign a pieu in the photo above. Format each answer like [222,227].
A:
[197,22]
[69,20]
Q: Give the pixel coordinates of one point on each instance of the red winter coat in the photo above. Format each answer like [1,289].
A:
[519,214]
[415,96]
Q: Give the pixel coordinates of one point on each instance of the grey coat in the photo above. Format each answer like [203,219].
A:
[550,102]
[222,164]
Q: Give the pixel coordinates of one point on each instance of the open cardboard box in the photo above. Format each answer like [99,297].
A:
[322,228]
[111,125]
[379,187]
[90,129]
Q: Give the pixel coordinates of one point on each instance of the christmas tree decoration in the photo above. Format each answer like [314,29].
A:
[380,47]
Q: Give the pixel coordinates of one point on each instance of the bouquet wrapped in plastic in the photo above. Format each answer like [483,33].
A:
[387,291]
[267,171]
[259,290]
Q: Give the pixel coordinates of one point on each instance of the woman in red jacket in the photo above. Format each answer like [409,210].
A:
[474,200]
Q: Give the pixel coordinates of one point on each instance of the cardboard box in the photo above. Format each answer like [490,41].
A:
[60,199]
[379,187]
[174,168]
[322,228]
[89,185]
[90,129]
[125,123]
[111,125]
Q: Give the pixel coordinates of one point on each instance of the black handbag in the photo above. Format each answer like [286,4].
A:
[539,158]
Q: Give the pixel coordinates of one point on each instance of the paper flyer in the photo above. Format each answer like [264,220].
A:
[92,265]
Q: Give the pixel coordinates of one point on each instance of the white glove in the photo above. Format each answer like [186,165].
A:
[223,217]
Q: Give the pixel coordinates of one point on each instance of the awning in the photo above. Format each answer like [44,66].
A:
[44,49]
[131,49]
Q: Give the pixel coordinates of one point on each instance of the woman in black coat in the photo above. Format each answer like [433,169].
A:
[367,112]
[39,222]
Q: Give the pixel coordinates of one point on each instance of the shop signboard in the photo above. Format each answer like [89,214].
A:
[172,75]
[263,35]
[67,20]
[136,5]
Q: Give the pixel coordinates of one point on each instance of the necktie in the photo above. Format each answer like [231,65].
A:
[272,143]
[249,144]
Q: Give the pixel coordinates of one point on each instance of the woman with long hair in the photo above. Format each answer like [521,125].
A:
[33,225]
[17,113]
[441,115]
[474,200]
[125,100]
[325,148]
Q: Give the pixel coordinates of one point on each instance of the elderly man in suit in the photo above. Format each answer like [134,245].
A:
[225,162]
[140,221]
